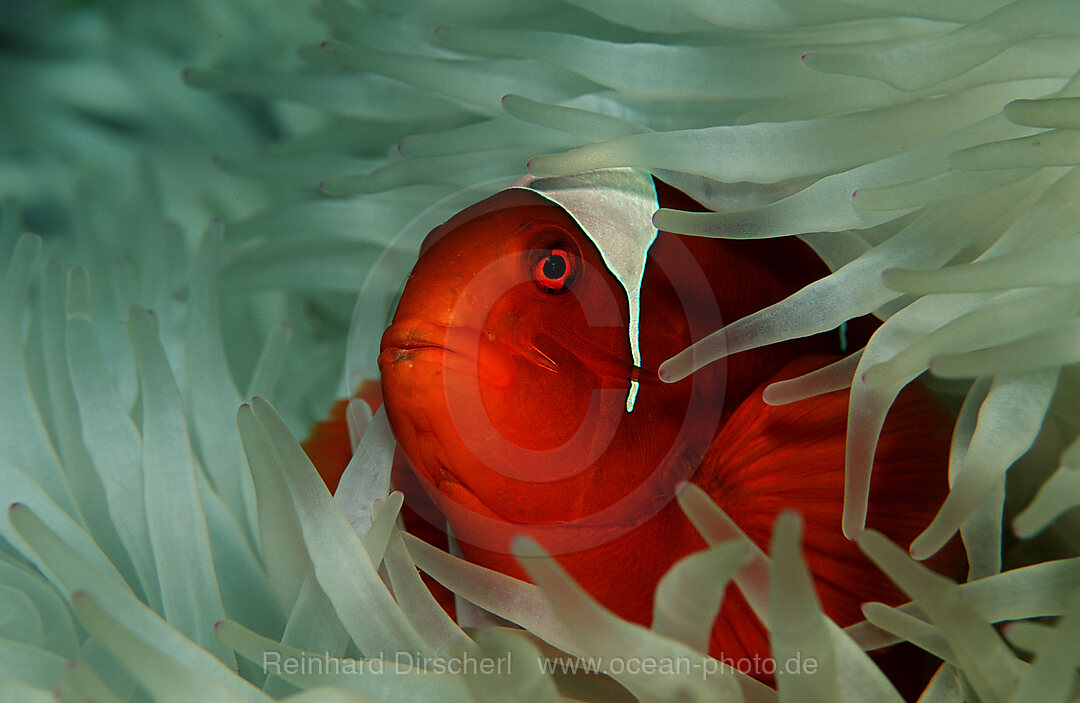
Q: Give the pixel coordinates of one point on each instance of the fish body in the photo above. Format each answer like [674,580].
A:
[523,406]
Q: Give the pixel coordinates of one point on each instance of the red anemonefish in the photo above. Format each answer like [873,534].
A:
[520,378]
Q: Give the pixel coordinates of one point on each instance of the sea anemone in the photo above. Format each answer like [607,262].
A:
[167,541]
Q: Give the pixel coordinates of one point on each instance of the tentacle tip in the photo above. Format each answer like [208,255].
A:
[791,515]
[440,29]
[854,194]
[217,625]
[802,59]
[78,595]
[529,165]
[666,374]
[1012,106]
[921,548]
[1022,528]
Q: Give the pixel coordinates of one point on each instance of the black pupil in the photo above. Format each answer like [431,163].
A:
[555,266]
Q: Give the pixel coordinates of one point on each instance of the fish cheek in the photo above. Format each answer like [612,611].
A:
[413,388]
[541,409]
[546,403]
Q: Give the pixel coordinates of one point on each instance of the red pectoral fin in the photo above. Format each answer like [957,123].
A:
[767,458]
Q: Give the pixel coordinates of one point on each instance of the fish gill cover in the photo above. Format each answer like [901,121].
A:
[167,159]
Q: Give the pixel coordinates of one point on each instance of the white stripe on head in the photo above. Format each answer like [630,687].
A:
[614,207]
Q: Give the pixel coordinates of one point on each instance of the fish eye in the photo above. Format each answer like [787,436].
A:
[554,270]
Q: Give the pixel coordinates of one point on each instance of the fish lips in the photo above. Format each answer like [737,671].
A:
[457,349]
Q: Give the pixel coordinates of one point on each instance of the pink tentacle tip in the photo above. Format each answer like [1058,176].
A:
[218,624]
[854,194]
[802,59]
[528,165]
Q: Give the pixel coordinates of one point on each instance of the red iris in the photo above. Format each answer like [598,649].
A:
[553,272]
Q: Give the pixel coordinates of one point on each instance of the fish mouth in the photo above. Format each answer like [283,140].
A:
[456,348]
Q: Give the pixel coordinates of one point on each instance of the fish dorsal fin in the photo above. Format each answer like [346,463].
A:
[614,207]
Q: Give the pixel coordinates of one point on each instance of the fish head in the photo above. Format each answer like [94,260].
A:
[507,364]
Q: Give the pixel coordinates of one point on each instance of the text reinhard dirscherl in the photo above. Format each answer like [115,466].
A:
[466,663]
